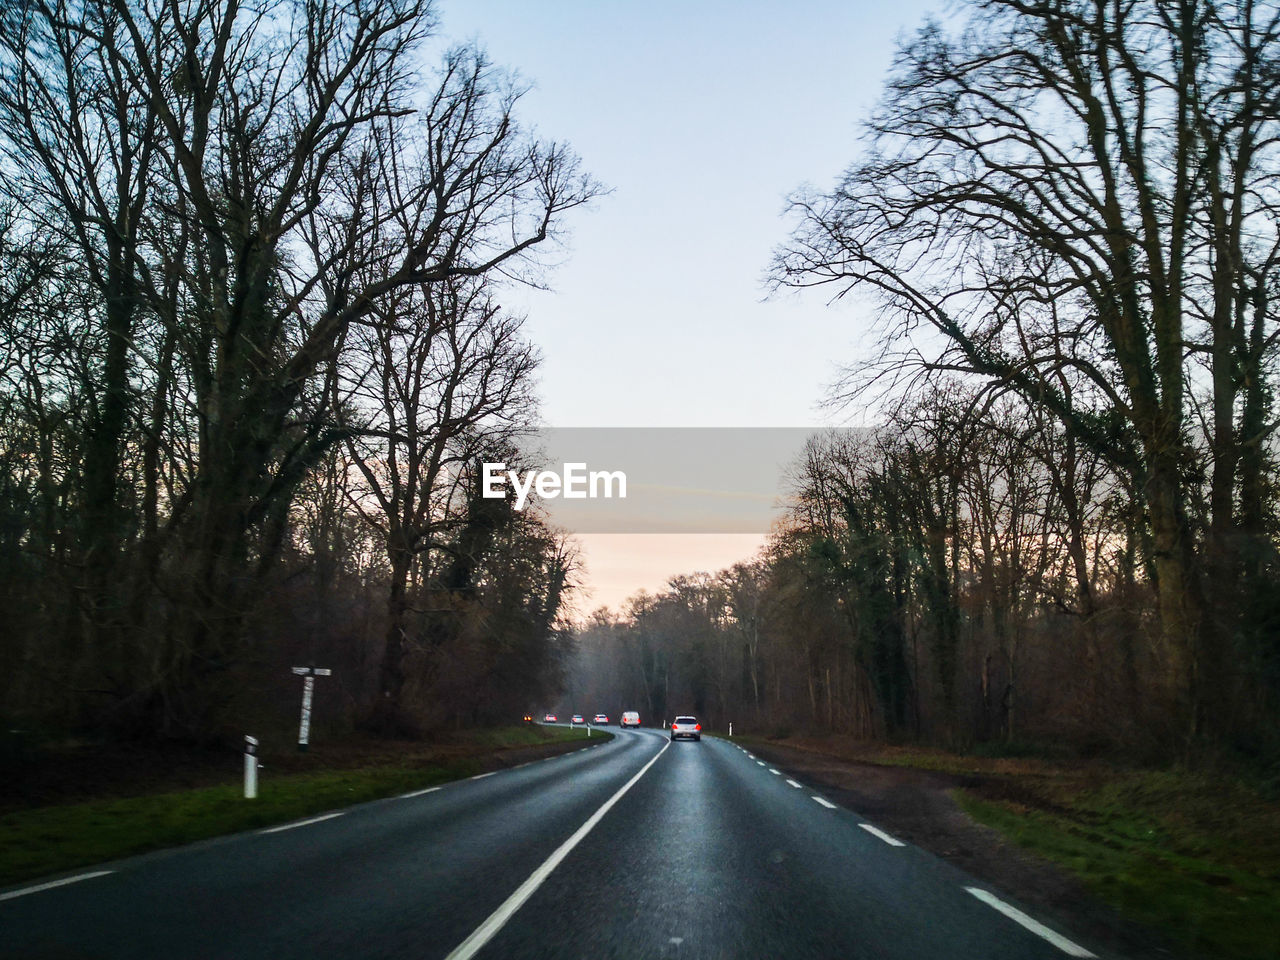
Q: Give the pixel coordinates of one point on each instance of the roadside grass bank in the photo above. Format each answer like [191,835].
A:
[1190,854]
[52,839]
[1194,856]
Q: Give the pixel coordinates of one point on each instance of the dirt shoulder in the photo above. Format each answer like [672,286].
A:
[917,806]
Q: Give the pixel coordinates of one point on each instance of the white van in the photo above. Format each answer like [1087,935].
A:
[630,719]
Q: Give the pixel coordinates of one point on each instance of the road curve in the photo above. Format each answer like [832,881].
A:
[635,848]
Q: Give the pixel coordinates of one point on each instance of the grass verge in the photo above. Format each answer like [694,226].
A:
[48,840]
[1193,856]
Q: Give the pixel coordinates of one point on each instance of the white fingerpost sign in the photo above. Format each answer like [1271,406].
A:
[250,767]
[308,675]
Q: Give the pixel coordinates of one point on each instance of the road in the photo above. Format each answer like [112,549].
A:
[634,848]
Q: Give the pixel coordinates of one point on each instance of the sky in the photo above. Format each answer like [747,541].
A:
[700,118]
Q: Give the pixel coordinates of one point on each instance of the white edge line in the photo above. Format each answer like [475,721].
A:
[13,894]
[794,784]
[485,932]
[1035,926]
[891,841]
[302,823]
[774,772]
[759,763]
[417,793]
[826,803]
[481,776]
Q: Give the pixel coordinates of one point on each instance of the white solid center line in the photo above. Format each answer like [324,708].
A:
[774,772]
[826,803]
[891,841]
[485,932]
[794,784]
[1035,926]
[481,776]
[54,883]
[417,793]
[302,823]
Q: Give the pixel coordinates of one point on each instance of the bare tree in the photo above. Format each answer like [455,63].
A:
[440,372]
[1091,189]
[243,184]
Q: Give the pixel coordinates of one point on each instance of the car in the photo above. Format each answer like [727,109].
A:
[630,718]
[577,718]
[686,727]
[528,718]
[600,718]
[550,718]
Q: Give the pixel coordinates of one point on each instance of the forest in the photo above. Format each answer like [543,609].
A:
[1063,531]
[254,350]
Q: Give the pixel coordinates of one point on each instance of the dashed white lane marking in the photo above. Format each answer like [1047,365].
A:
[826,803]
[302,823]
[794,784]
[484,933]
[417,793]
[481,776]
[759,763]
[891,841]
[1035,926]
[774,772]
[12,894]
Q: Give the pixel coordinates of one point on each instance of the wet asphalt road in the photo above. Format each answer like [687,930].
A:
[707,854]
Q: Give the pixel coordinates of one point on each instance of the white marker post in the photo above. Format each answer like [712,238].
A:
[308,675]
[731,728]
[250,767]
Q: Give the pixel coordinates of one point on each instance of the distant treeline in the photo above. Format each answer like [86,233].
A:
[251,353]
[960,576]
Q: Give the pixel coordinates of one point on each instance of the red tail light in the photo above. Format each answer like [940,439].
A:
[697,726]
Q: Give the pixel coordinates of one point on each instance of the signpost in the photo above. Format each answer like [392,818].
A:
[308,675]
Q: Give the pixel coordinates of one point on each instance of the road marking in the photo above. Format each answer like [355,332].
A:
[796,785]
[417,793]
[1035,926]
[826,803]
[774,772]
[12,894]
[485,932]
[303,823]
[481,776]
[751,755]
[891,841]
[759,763]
